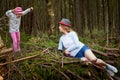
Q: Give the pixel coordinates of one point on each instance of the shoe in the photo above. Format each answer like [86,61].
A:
[112,68]
[18,50]
[110,72]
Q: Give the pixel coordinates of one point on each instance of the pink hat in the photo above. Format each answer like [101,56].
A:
[18,10]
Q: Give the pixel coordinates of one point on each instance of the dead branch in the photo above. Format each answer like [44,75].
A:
[71,62]
[67,78]
[99,52]
[110,62]
[109,76]
[21,59]
[5,51]
[111,49]
[113,55]
[45,66]
[1,78]
[74,74]
[2,56]
[15,67]
[117,78]
[1,45]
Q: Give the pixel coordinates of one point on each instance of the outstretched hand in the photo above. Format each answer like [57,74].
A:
[31,8]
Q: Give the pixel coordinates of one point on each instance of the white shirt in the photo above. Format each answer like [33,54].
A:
[14,23]
[71,43]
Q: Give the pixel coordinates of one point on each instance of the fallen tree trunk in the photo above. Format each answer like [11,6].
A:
[99,52]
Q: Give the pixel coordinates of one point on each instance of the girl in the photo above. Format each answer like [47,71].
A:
[14,25]
[73,47]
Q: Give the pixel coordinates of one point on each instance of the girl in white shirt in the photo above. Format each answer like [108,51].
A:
[73,47]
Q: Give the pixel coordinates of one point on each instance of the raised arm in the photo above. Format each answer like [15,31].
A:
[9,13]
[27,10]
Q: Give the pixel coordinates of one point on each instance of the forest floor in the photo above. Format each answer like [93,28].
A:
[47,63]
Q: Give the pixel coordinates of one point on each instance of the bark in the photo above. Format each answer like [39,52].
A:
[6,51]
[99,52]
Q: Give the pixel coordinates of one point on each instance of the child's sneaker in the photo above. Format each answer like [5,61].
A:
[110,72]
[112,68]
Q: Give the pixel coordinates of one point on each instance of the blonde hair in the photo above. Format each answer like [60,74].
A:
[67,28]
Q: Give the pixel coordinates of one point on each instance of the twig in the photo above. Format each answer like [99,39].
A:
[25,58]
[62,61]
[111,49]
[6,51]
[67,78]
[19,71]
[75,74]
[1,45]
[44,50]
[109,76]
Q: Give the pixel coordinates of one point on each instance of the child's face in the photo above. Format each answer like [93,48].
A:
[60,28]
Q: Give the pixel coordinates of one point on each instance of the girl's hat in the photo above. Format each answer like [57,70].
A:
[18,10]
[65,22]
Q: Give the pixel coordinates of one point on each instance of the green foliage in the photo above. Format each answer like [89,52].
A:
[85,40]
[98,39]
[24,37]
[97,35]
[44,41]
[6,38]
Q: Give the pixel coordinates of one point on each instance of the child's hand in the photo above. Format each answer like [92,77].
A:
[67,52]
[31,8]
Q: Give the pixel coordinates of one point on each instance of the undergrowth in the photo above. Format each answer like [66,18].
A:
[48,64]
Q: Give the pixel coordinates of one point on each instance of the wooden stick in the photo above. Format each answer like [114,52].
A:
[80,78]
[111,49]
[18,60]
[99,52]
[6,51]
[67,78]
[1,45]
[62,61]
